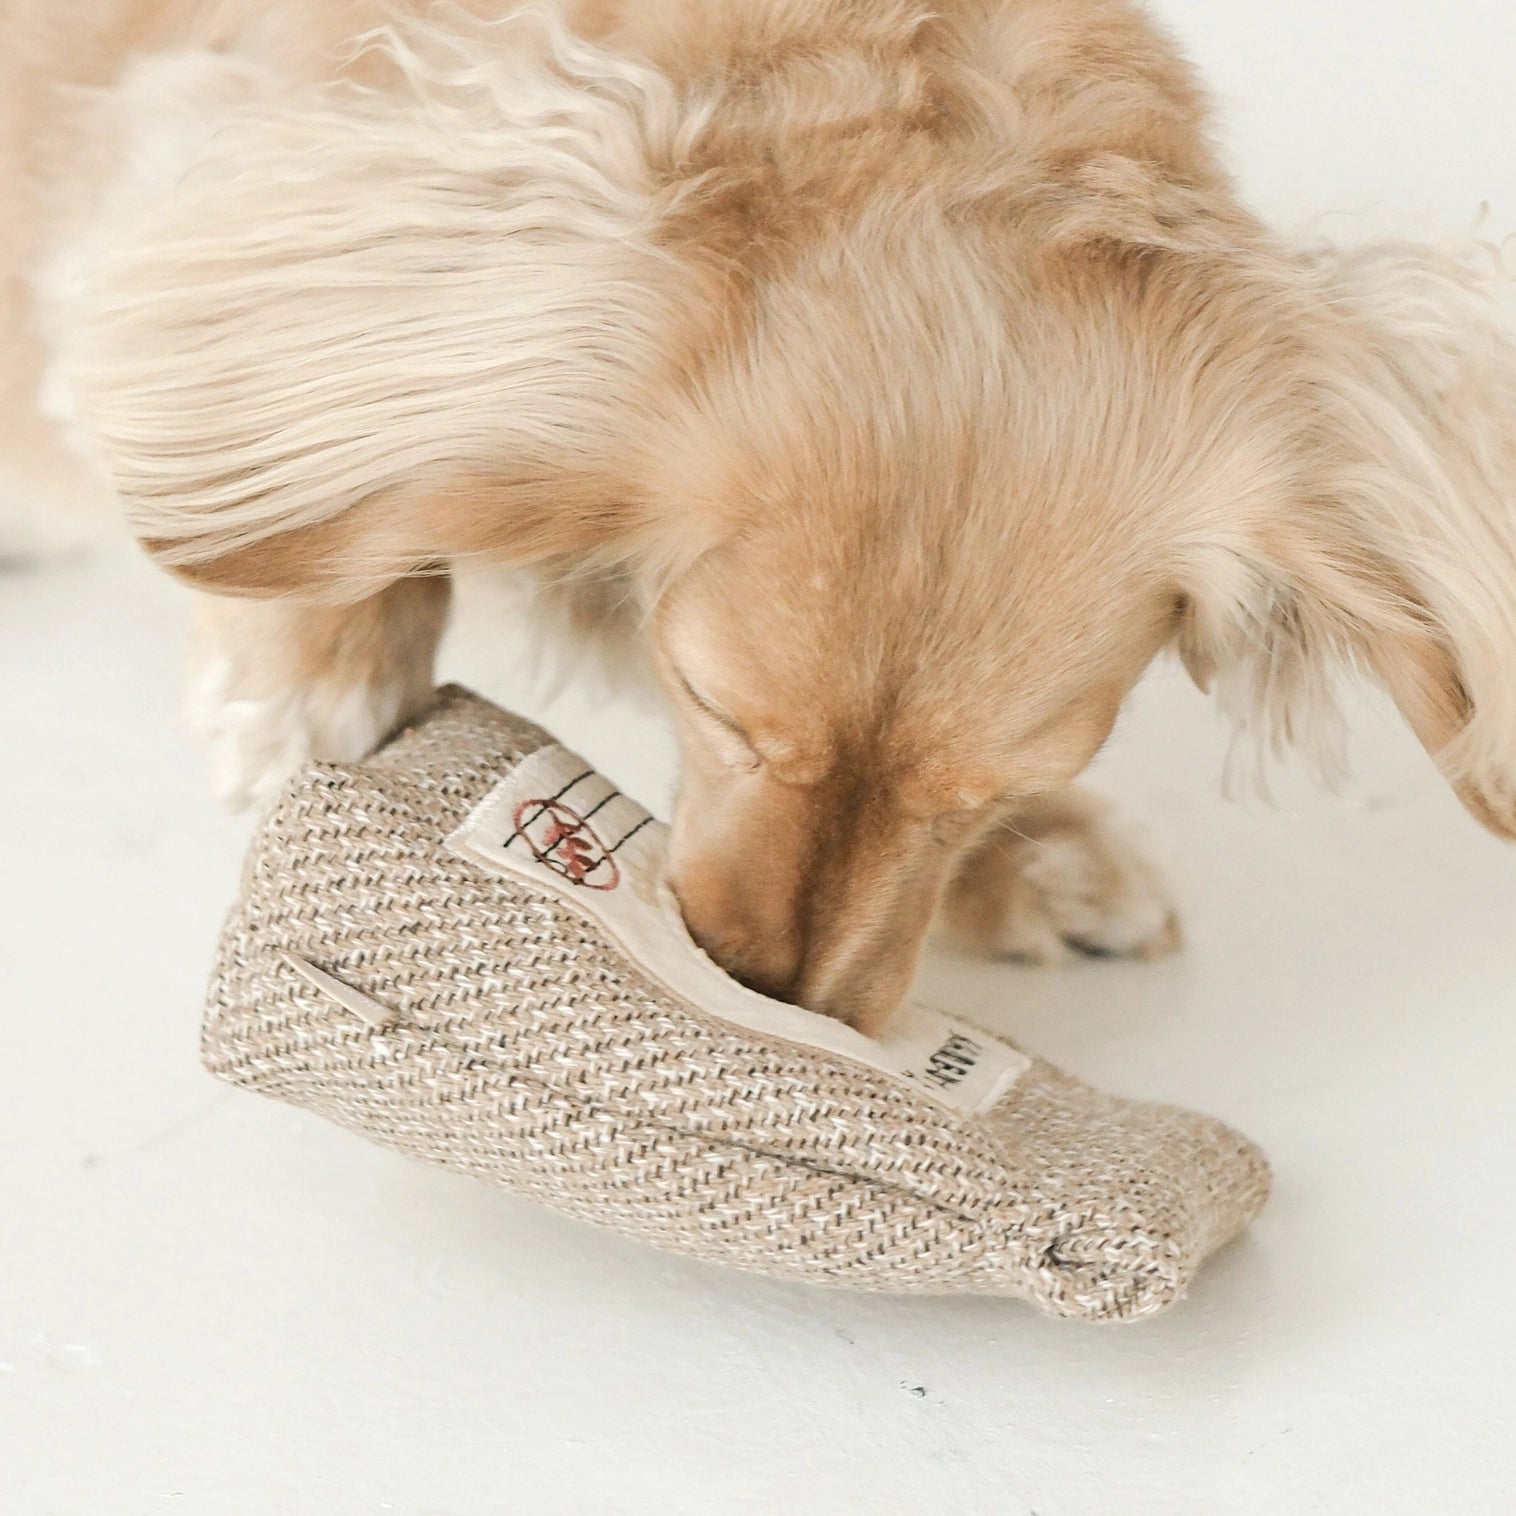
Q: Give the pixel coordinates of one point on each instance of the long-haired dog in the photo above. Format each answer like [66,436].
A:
[905,375]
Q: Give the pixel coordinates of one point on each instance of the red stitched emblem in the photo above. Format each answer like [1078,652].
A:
[562,839]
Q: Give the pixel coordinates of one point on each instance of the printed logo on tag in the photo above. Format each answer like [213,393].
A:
[557,825]
[566,841]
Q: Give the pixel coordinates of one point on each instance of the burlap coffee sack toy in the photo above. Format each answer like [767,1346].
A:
[464,948]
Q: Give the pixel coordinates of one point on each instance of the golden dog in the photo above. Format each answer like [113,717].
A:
[905,375]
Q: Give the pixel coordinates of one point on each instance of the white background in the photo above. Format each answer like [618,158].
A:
[216,1306]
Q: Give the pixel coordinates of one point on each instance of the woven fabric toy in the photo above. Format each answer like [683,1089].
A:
[464,948]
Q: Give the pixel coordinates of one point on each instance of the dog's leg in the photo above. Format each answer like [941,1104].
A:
[275,682]
[1058,878]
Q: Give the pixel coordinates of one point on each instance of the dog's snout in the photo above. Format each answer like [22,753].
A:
[767,985]
[851,985]
[758,956]
[850,956]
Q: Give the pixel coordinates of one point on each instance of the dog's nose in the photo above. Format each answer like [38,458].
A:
[771,989]
[856,981]
[763,966]
[835,929]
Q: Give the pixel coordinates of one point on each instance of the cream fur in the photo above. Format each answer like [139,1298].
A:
[461,267]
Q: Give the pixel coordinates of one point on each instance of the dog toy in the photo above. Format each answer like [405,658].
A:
[464,947]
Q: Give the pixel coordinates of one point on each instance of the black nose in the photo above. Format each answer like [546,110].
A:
[759,961]
[767,985]
[744,962]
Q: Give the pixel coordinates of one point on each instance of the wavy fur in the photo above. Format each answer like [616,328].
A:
[453,274]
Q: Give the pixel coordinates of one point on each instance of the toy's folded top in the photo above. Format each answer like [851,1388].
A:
[464,948]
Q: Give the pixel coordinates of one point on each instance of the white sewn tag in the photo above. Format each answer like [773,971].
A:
[558,825]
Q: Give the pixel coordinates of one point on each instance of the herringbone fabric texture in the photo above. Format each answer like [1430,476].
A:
[528,1051]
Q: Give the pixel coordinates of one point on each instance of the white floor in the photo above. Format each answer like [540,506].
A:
[214,1305]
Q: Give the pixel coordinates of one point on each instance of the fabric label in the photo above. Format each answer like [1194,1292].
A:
[556,824]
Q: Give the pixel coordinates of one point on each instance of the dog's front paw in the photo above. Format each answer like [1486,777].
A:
[278,683]
[258,738]
[1058,880]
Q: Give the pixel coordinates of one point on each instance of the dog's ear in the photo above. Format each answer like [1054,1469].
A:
[362,329]
[1396,549]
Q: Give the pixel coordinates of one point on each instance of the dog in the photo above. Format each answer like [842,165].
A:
[901,377]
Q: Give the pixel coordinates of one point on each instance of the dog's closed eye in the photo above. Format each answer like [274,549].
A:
[736,744]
